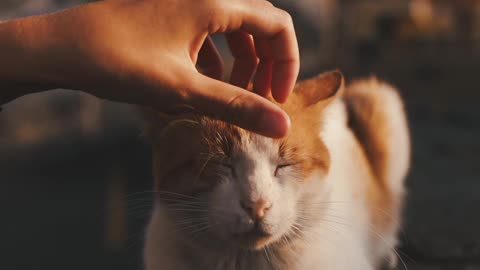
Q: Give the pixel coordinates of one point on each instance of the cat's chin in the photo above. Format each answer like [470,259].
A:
[256,244]
[253,241]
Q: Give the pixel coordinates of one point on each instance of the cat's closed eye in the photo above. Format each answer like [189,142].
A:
[225,166]
[282,169]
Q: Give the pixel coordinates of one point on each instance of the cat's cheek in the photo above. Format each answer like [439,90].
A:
[231,224]
[219,229]
[218,222]
[284,213]
[223,213]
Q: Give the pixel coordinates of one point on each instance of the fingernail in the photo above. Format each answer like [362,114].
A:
[274,124]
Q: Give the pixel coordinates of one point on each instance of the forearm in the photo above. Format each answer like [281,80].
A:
[24,63]
[21,62]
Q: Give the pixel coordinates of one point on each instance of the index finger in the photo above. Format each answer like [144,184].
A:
[262,20]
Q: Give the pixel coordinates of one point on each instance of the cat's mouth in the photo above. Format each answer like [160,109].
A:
[255,239]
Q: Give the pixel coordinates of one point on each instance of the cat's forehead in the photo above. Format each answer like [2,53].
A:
[220,136]
[257,145]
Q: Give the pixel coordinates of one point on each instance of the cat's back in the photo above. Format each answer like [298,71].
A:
[377,118]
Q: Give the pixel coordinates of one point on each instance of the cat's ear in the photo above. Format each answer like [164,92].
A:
[155,122]
[320,90]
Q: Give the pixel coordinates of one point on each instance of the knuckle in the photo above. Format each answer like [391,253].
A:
[251,61]
[236,103]
[236,111]
[285,18]
[215,13]
[183,91]
[185,95]
[269,4]
[181,99]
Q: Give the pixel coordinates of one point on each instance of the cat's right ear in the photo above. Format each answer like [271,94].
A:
[320,90]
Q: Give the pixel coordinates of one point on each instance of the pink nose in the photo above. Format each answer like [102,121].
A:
[256,210]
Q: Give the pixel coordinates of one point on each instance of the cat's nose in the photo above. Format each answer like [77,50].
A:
[256,210]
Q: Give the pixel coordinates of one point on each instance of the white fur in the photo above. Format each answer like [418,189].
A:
[399,143]
[346,245]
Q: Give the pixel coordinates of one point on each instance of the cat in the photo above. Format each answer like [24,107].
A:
[328,196]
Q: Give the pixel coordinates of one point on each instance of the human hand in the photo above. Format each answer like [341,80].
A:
[146,52]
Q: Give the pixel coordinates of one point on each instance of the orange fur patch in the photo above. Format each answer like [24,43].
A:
[305,108]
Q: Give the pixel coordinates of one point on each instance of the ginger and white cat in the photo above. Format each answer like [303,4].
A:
[328,196]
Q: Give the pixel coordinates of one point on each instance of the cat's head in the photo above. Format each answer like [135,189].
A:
[226,186]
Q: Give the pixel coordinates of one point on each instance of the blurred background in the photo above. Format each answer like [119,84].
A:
[75,173]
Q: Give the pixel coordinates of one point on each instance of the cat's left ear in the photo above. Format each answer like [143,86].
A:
[320,90]
[153,122]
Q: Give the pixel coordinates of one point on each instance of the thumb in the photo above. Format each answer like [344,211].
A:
[238,106]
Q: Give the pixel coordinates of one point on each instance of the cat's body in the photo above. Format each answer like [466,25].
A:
[333,202]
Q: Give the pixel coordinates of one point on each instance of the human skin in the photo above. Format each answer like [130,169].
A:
[147,52]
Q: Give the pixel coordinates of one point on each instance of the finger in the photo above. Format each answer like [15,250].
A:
[261,19]
[209,60]
[237,106]
[263,77]
[243,50]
